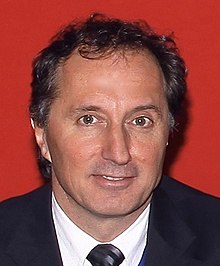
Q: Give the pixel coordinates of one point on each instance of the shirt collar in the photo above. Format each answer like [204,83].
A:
[132,241]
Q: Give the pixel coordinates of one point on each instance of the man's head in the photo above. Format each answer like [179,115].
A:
[105,94]
[99,37]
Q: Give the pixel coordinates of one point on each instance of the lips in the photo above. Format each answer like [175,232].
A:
[112,182]
[112,178]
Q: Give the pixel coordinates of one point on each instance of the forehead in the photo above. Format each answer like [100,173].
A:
[129,73]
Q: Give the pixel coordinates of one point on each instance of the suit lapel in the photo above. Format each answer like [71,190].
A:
[169,238]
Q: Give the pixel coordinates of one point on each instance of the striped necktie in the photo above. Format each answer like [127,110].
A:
[105,255]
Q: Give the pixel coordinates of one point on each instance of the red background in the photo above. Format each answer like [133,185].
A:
[26,26]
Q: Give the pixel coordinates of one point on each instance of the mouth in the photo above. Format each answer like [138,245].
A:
[106,181]
[112,178]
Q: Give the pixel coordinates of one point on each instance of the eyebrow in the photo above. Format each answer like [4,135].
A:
[87,108]
[94,108]
[147,107]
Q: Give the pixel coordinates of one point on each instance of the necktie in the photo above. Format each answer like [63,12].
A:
[105,255]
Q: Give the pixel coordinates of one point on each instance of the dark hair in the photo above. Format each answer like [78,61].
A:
[97,37]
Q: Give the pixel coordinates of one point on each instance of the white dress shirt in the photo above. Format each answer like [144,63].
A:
[75,244]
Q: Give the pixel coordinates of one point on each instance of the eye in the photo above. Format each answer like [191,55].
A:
[88,119]
[142,121]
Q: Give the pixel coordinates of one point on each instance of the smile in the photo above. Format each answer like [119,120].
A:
[111,178]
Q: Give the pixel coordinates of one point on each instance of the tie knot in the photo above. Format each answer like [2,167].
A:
[105,255]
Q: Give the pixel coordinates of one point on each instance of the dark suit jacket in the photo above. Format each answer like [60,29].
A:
[184,229]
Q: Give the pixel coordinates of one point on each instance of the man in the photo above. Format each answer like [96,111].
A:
[105,94]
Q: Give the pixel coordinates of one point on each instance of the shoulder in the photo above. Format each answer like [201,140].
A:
[182,192]
[183,225]
[25,202]
[27,233]
[193,205]
[18,212]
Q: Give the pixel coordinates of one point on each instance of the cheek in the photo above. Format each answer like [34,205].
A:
[149,148]
[72,151]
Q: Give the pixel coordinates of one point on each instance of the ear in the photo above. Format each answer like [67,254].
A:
[40,136]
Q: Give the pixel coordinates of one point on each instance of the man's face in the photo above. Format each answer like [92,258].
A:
[107,133]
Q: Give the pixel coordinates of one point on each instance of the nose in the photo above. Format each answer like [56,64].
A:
[116,146]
